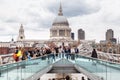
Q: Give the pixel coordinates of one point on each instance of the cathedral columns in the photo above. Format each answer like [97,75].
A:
[58,32]
[50,33]
[65,33]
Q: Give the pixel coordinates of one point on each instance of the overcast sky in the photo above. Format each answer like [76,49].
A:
[93,16]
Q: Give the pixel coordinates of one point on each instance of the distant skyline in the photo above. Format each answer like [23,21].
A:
[93,16]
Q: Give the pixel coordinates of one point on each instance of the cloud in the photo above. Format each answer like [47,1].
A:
[94,16]
[96,24]
[76,8]
[38,35]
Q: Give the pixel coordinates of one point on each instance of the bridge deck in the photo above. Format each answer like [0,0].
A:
[88,66]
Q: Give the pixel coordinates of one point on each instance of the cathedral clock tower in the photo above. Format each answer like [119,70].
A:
[21,35]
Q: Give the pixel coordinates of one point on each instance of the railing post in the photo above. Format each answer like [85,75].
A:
[0,72]
[88,79]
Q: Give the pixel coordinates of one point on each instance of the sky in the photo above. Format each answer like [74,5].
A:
[37,16]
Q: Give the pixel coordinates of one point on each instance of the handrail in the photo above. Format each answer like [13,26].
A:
[24,60]
[107,67]
[47,67]
[98,59]
[105,61]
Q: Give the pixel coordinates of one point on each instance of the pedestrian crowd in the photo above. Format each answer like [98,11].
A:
[26,54]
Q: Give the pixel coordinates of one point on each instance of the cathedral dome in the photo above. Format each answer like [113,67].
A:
[60,28]
[60,20]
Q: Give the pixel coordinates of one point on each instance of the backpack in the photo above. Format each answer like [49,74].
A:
[14,55]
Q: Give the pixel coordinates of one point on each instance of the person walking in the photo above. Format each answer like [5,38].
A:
[94,54]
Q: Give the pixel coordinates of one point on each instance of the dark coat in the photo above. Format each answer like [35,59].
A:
[94,54]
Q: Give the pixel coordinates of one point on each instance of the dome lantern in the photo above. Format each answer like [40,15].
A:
[60,11]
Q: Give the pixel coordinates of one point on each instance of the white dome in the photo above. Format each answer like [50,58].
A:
[60,20]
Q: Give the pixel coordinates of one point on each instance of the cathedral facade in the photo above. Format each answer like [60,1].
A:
[60,32]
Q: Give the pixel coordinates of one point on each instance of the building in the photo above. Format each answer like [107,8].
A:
[73,36]
[60,28]
[21,35]
[109,34]
[60,33]
[81,34]
[113,40]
